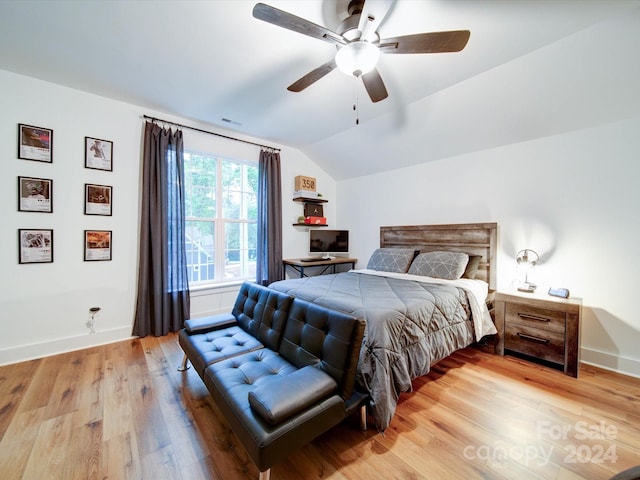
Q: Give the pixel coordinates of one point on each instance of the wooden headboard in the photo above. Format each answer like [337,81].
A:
[470,238]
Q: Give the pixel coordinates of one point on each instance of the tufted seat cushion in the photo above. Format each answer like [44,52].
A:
[206,348]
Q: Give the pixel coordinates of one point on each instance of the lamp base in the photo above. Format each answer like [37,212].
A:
[527,287]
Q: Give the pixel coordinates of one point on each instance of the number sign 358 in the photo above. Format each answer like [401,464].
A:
[305,183]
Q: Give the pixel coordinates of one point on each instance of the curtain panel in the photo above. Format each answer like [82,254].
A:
[269,266]
[163,286]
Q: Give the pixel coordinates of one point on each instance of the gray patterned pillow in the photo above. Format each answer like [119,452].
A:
[395,260]
[447,265]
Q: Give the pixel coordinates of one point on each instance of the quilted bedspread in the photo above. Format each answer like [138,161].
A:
[410,326]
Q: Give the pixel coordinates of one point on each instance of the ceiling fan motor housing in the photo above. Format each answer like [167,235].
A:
[355,7]
[349,26]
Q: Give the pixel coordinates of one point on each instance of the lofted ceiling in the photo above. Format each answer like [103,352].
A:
[520,77]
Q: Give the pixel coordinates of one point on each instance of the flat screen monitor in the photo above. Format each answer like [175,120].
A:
[328,243]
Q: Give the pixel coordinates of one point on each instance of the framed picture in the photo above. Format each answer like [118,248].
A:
[35,246]
[97,199]
[98,154]
[35,143]
[97,245]
[35,194]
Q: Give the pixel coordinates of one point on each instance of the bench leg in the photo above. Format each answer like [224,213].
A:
[265,475]
[184,365]
[363,417]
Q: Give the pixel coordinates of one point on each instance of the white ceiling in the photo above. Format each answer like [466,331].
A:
[521,75]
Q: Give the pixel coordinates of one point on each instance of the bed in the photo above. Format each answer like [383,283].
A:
[423,295]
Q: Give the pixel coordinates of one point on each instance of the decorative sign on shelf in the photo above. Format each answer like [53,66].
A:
[305,183]
[313,210]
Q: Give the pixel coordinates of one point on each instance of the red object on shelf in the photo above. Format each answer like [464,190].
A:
[315,220]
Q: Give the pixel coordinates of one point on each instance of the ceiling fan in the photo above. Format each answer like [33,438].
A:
[359,44]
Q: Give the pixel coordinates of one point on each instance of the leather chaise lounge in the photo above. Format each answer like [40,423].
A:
[280,369]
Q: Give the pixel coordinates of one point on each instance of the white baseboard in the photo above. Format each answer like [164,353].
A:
[615,363]
[62,345]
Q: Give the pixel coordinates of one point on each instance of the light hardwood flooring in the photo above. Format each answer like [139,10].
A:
[123,411]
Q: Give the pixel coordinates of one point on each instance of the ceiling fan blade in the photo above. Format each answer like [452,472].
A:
[432,42]
[373,12]
[312,77]
[291,22]
[374,85]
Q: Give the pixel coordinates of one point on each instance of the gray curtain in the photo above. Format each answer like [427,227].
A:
[269,266]
[163,286]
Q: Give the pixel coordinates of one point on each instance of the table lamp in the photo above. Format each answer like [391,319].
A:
[526,260]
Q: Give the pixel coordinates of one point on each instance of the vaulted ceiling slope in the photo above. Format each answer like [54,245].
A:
[532,68]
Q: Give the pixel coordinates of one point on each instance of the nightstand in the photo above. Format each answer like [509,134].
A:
[540,327]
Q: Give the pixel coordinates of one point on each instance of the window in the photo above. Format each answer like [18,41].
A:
[221,211]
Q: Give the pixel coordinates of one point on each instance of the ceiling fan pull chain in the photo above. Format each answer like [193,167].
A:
[355,104]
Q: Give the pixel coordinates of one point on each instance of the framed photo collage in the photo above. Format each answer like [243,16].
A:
[35,194]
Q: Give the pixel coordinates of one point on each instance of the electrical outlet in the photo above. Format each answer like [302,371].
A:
[93,311]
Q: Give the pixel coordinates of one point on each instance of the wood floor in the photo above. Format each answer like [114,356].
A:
[123,411]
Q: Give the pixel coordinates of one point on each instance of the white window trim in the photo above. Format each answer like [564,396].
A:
[219,280]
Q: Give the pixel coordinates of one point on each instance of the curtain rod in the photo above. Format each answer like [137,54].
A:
[210,133]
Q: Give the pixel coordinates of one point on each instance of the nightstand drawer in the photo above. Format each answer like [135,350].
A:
[544,344]
[535,317]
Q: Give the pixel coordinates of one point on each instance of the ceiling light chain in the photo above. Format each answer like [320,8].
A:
[355,103]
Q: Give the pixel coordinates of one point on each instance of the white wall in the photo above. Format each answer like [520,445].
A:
[44,307]
[573,198]
[44,304]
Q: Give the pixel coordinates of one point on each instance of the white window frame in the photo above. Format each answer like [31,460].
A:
[219,227]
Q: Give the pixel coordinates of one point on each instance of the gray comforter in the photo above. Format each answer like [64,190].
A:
[410,326]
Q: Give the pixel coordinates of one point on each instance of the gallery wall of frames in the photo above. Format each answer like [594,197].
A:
[36,194]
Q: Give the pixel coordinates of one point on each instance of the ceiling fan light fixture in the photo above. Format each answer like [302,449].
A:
[357,58]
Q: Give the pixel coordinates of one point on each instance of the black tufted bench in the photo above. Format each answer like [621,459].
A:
[297,386]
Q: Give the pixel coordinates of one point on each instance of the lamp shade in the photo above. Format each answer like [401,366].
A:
[527,258]
[357,58]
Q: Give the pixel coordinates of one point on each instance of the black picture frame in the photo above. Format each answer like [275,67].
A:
[98,199]
[98,154]
[98,245]
[35,194]
[35,245]
[35,143]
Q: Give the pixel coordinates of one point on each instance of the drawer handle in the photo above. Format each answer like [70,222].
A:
[531,338]
[526,316]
